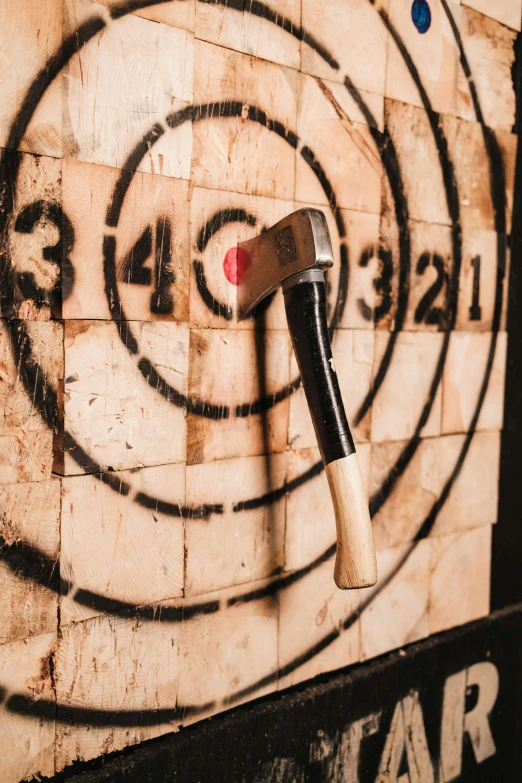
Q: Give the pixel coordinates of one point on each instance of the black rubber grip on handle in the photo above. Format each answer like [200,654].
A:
[305,304]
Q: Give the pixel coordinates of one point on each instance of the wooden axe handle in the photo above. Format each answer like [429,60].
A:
[305,303]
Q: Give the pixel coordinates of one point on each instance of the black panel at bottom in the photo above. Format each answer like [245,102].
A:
[452,701]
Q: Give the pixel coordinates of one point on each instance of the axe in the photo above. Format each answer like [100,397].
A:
[293,254]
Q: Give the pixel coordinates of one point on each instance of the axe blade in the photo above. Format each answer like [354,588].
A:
[298,242]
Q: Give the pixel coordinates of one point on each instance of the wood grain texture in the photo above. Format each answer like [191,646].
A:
[336,21]
[242,366]
[232,548]
[26,441]
[355,564]
[329,121]
[29,558]
[490,49]
[122,418]
[151,244]
[28,741]
[435,54]
[36,224]
[509,12]
[250,33]
[105,117]
[99,530]
[193,526]
[232,153]
[31,32]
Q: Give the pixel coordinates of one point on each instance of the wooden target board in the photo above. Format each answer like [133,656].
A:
[167,534]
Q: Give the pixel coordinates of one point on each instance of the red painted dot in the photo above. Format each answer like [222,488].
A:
[234,264]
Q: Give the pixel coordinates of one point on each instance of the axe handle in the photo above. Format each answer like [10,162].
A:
[305,303]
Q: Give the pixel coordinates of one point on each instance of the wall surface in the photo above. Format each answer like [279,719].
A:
[166,531]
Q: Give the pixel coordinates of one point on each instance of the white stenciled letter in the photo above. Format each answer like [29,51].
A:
[455,721]
[350,748]
[343,765]
[406,732]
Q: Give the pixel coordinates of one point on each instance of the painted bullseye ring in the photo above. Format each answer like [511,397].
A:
[217,110]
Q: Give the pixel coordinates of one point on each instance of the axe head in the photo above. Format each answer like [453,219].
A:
[299,242]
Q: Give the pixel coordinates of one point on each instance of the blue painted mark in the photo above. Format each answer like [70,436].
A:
[421,15]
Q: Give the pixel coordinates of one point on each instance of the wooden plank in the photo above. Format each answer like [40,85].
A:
[236,153]
[96,661]
[102,525]
[223,653]
[413,493]
[120,419]
[459,580]
[27,741]
[238,543]
[252,31]
[31,34]
[76,13]
[105,117]
[478,281]
[471,162]
[404,391]
[29,558]
[416,151]
[26,452]
[334,23]
[508,12]
[474,497]
[399,614]
[151,244]
[433,51]
[35,234]
[490,51]
[178,13]
[431,259]
[362,243]
[466,365]
[335,140]
[310,610]
[253,366]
